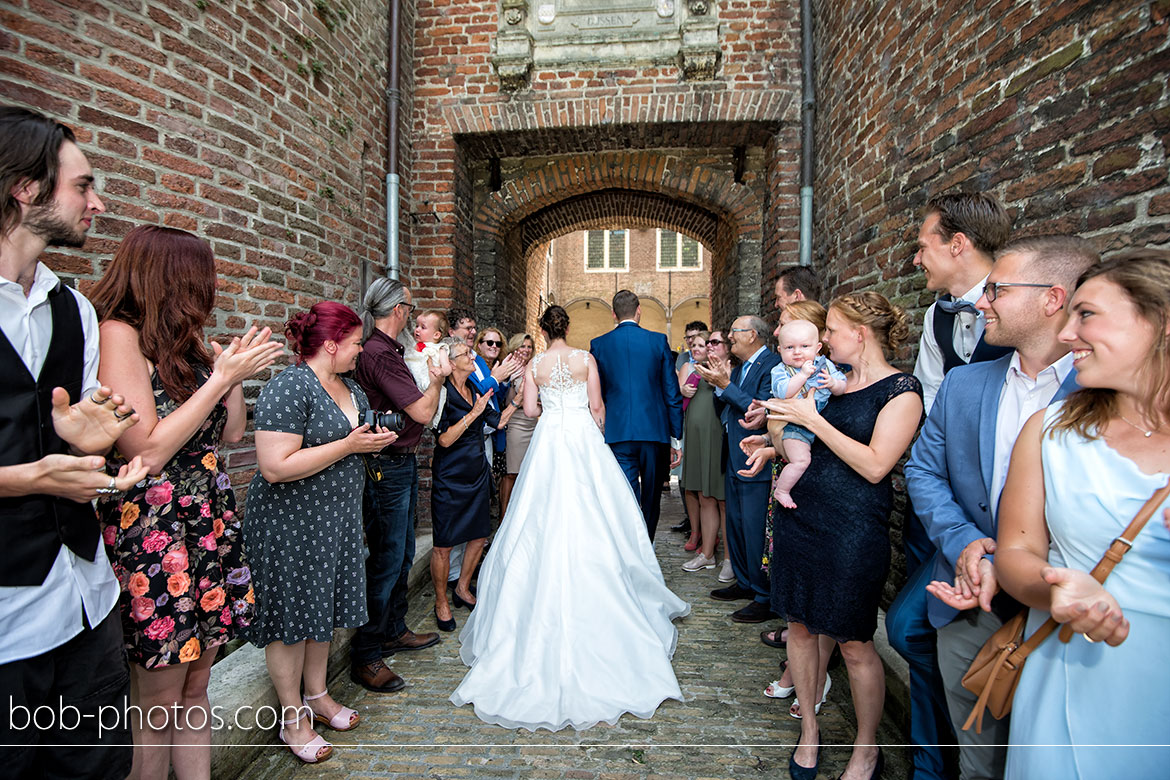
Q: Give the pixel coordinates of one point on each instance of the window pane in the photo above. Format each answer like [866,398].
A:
[617,249]
[595,253]
[667,249]
[690,253]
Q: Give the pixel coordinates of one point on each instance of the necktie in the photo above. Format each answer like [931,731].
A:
[951,306]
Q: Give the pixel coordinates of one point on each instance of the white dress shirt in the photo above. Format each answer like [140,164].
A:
[36,618]
[968,327]
[1021,397]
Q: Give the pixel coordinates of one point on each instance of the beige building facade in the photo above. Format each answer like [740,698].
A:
[669,272]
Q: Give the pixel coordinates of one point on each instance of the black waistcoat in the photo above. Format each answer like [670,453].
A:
[944,334]
[36,526]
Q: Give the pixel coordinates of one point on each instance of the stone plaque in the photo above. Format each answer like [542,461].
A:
[568,33]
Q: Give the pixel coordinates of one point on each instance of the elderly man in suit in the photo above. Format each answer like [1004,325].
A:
[643,405]
[958,466]
[747,496]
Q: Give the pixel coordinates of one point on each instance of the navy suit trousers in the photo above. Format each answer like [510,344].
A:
[912,636]
[646,465]
[747,505]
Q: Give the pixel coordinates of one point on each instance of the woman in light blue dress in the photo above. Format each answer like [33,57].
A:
[1098,706]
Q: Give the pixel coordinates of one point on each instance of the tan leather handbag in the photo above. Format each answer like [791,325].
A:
[995,673]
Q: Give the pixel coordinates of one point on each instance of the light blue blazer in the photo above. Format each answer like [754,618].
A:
[949,472]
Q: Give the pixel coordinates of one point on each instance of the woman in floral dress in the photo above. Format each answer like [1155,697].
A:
[174,539]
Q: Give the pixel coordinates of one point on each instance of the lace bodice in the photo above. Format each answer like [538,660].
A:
[562,384]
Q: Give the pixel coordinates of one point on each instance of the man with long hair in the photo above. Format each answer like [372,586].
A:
[61,647]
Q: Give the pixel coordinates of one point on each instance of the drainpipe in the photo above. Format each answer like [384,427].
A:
[808,107]
[393,100]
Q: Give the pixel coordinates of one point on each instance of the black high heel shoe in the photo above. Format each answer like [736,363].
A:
[459,603]
[798,772]
[877,767]
[444,625]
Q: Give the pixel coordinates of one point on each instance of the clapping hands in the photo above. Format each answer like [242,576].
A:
[93,424]
[245,356]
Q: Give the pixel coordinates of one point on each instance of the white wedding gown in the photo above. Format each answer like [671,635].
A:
[573,621]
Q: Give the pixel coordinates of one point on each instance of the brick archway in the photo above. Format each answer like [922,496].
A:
[511,227]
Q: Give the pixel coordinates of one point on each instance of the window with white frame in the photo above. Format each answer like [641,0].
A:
[607,250]
[677,252]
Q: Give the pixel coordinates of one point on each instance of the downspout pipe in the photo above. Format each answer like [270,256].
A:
[393,102]
[808,108]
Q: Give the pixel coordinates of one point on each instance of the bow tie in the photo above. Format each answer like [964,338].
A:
[951,306]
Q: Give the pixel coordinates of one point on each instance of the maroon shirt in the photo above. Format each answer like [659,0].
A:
[382,373]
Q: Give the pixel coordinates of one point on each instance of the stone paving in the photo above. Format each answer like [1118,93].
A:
[725,729]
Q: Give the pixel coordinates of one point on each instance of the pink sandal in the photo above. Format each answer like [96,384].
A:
[346,719]
[311,752]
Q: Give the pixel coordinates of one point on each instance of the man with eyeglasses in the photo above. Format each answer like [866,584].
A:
[746,496]
[958,466]
[958,237]
[390,497]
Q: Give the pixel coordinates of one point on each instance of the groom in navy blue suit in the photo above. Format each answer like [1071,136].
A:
[958,465]
[643,405]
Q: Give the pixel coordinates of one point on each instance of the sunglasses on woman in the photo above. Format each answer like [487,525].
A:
[492,343]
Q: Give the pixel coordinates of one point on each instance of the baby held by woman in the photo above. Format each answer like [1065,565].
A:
[804,368]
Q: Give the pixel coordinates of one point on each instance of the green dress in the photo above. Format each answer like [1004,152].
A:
[703,434]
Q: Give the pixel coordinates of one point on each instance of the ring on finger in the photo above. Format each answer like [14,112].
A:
[1088,638]
[123,416]
[97,399]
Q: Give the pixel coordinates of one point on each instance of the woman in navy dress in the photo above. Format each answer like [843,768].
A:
[460,480]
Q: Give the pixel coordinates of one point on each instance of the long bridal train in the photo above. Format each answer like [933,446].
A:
[573,621]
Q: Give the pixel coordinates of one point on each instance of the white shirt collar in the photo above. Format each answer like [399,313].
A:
[44,282]
[1058,370]
[631,319]
[755,355]
[973,294]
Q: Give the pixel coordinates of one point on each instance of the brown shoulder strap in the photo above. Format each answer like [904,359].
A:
[1123,544]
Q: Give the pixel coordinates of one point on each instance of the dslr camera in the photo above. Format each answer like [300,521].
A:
[391,421]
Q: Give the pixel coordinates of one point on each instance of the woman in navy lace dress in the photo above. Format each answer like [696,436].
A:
[832,551]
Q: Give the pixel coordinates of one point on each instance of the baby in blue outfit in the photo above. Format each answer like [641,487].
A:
[803,369]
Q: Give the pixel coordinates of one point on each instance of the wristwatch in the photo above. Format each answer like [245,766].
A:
[516,404]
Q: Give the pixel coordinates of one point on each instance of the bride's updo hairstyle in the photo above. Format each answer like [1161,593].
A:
[554,322]
[326,321]
[887,322]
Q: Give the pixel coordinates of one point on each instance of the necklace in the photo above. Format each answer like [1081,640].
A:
[1144,432]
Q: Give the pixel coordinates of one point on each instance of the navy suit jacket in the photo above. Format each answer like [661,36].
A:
[950,469]
[638,385]
[732,403]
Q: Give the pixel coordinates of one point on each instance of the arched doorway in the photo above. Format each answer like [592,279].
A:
[513,228]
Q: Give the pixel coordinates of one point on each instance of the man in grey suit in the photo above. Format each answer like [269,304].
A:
[958,466]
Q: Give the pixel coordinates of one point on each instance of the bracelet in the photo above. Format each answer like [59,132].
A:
[516,403]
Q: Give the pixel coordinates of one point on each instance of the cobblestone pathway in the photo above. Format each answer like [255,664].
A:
[726,728]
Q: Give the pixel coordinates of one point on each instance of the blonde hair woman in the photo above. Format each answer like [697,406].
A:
[832,552]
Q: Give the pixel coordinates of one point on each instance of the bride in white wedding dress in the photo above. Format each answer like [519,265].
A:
[572,624]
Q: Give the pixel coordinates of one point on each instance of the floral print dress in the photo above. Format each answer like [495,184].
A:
[177,550]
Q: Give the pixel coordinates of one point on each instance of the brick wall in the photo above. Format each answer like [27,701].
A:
[462,119]
[256,125]
[1059,109]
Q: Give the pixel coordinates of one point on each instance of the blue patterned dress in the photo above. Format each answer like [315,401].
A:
[304,538]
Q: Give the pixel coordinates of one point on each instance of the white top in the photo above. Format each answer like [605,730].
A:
[968,327]
[34,619]
[1021,397]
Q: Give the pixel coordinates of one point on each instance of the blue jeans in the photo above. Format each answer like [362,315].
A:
[388,513]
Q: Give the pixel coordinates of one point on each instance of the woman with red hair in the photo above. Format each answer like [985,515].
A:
[304,529]
[174,538]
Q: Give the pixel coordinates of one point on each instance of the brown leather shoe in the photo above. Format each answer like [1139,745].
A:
[376,676]
[410,641]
